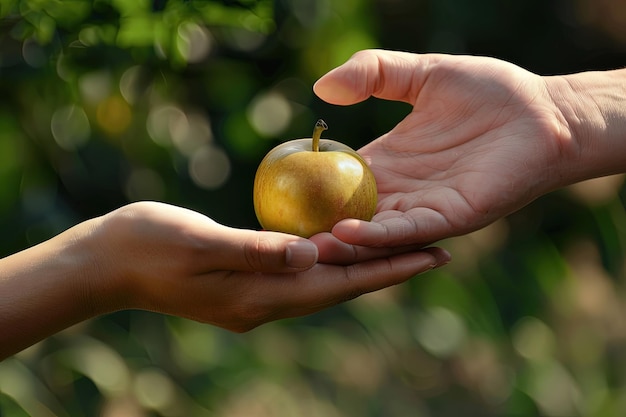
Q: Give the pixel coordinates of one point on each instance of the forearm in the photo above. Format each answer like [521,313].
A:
[47,288]
[593,106]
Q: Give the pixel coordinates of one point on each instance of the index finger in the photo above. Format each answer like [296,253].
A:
[335,251]
[392,229]
[326,285]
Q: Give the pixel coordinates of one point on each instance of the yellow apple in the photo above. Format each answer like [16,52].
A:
[306,186]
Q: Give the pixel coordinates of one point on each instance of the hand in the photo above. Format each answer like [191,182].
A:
[484,138]
[179,262]
[176,261]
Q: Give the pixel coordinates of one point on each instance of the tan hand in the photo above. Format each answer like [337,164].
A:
[179,262]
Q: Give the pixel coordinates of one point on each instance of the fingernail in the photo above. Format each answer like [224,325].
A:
[301,254]
[438,265]
[444,258]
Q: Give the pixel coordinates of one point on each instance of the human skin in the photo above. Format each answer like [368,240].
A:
[167,259]
[484,138]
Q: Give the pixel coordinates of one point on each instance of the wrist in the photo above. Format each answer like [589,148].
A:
[107,284]
[593,110]
[87,259]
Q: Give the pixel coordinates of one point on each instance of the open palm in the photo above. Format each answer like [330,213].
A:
[476,146]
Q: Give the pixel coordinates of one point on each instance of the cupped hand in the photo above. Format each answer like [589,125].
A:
[483,139]
[176,261]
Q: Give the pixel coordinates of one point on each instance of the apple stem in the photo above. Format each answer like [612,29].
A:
[320,126]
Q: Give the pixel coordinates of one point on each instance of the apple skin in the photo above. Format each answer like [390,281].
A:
[304,192]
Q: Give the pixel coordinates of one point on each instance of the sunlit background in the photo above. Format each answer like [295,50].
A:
[111,101]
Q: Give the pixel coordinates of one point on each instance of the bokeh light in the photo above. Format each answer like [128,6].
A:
[154,390]
[533,339]
[95,86]
[270,114]
[194,42]
[162,120]
[209,167]
[190,132]
[134,83]
[114,115]
[33,54]
[70,127]
[440,331]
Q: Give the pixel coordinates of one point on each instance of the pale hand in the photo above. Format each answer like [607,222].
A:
[483,139]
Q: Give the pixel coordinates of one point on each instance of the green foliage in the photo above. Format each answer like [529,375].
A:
[106,102]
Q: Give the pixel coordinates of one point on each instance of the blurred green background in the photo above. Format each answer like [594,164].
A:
[110,101]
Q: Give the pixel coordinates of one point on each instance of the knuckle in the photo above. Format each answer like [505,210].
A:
[257,250]
[252,254]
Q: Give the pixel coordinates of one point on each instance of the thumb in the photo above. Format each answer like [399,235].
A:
[250,250]
[389,75]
